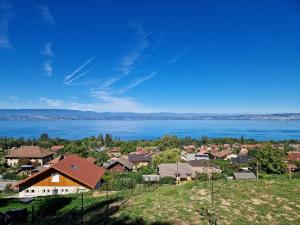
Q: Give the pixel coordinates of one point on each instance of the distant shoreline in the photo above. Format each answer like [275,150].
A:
[61,114]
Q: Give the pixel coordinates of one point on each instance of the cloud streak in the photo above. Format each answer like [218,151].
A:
[47,67]
[48,53]
[78,76]
[48,50]
[136,82]
[51,102]
[112,100]
[177,56]
[6,16]
[46,14]
[111,103]
[129,60]
[13,98]
[74,75]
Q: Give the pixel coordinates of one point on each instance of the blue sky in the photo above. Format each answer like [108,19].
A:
[209,56]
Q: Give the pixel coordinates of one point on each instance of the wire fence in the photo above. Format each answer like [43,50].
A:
[73,209]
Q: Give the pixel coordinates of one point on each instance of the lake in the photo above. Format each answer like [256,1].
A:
[149,129]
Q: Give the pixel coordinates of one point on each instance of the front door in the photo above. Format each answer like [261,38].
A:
[55,192]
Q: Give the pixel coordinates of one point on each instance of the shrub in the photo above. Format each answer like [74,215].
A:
[167,180]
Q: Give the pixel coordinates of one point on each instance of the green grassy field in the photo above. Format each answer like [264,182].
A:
[274,201]
[268,201]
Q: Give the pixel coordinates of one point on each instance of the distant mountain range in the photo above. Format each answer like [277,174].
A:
[62,114]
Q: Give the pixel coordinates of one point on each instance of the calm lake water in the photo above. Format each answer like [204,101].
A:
[260,130]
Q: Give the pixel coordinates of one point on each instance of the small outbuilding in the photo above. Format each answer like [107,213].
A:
[244,176]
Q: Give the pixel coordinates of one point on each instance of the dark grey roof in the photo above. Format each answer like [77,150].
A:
[122,161]
[242,159]
[244,175]
[135,158]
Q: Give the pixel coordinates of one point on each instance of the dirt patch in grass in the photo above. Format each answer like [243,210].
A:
[257,201]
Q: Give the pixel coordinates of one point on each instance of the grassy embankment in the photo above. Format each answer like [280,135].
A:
[268,201]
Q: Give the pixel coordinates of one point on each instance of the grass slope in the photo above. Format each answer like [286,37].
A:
[237,202]
[268,201]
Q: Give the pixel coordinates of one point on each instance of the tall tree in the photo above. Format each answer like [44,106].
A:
[108,140]
[270,159]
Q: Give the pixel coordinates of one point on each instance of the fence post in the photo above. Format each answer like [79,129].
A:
[32,215]
[81,208]
[139,188]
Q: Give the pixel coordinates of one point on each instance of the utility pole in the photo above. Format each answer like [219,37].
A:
[177,182]
[290,172]
[212,191]
[257,170]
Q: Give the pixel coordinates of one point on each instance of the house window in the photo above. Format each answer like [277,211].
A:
[32,191]
[54,177]
[44,190]
[27,191]
[62,190]
[66,190]
[48,191]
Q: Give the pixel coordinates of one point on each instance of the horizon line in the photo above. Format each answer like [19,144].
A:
[209,113]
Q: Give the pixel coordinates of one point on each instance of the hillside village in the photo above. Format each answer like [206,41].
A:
[53,170]
[47,169]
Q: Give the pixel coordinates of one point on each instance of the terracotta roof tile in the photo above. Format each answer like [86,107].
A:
[28,152]
[81,169]
[91,159]
[56,148]
[76,168]
[293,156]
[221,154]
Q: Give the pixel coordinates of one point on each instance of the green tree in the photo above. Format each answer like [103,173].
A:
[168,156]
[169,142]
[100,140]
[108,140]
[270,159]
[101,157]
[127,147]
[44,137]
[204,140]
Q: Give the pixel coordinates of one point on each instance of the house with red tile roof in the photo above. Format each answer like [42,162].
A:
[114,152]
[221,154]
[72,174]
[57,148]
[293,156]
[91,159]
[32,153]
[55,160]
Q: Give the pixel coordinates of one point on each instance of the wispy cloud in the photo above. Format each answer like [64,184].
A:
[78,76]
[6,16]
[109,96]
[177,56]
[47,67]
[51,102]
[110,82]
[135,51]
[47,51]
[46,14]
[13,98]
[136,82]
[112,103]
[159,41]
[74,75]
[112,99]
